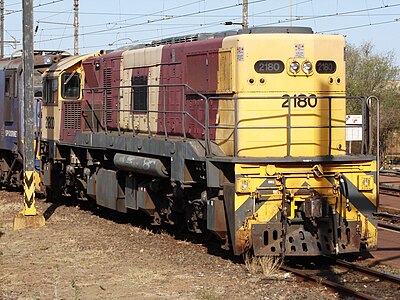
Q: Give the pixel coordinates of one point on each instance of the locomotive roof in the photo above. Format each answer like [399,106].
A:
[67,63]
[253,30]
[15,61]
[207,36]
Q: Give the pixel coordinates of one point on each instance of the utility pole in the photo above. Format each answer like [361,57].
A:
[76,25]
[2,28]
[245,14]
[291,12]
[29,217]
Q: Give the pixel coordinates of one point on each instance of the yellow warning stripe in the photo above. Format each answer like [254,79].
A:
[29,194]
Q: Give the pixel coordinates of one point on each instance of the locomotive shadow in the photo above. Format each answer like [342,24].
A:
[141,220]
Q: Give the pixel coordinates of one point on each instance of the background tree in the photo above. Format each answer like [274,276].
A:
[370,73]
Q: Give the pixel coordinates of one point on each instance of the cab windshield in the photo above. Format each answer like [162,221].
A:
[70,85]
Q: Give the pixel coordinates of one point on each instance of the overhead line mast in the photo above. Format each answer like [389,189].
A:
[29,217]
[245,14]
[2,28]
[76,26]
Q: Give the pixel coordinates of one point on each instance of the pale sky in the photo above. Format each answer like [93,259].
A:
[107,24]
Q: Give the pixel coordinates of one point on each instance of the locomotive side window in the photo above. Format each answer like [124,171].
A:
[7,87]
[326,67]
[70,85]
[50,88]
[269,66]
[139,93]
[9,95]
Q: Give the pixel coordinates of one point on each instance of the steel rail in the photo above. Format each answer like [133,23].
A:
[329,283]
[381,275]
[389,188]
[389,226]
[387,215]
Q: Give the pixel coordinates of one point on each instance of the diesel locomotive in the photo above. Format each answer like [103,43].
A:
[240,133]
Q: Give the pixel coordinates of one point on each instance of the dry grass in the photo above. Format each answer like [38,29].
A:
[268,266]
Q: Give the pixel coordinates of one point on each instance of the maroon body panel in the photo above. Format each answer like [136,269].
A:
[194,64]
[101,91]
[71,114]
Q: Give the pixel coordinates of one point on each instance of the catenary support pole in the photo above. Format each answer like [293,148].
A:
[2,28]
[245,14]
[76,26]
[29,216]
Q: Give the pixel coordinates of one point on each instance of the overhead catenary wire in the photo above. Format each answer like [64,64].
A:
[163,19]
[35,6]
[211,20]
[230,6]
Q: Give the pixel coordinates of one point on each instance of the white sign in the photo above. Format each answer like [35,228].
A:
[354,128]
[240,54]
[299,50]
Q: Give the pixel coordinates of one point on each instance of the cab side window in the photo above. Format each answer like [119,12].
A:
[9,95]
[50,89]
[70,85]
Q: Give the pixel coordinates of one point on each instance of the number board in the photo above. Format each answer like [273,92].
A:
[269,66]
[326,67]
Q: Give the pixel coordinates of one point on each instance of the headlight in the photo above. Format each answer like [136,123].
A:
[294,67]
[307,67]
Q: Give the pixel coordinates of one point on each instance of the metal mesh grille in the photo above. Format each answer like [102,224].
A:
[108,94]
[72,115]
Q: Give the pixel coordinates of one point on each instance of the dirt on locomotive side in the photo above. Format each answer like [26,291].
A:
[82,254]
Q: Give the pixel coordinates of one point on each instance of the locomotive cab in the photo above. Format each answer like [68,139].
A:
[62,99]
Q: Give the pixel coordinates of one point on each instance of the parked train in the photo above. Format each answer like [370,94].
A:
[11,112]
[242,134]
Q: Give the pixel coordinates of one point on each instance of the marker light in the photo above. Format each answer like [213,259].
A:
[242,185]
[365,182]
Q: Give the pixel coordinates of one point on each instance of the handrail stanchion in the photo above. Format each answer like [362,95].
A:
[93,112]
[148,112]
[207,129]
[330,126]
[289,128]
[105,109]
[165,111]
[369,100]
[183,113]
[363,114]
[235,127]
[132,111]
[117,112]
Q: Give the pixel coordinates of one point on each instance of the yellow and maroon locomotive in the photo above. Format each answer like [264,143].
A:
[239,133]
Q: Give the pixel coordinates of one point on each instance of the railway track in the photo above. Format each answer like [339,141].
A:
[388,189]
[392,281]
[388,221]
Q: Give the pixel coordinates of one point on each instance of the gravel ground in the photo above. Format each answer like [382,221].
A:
[85,254]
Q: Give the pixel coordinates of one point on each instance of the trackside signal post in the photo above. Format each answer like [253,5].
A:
[29,217]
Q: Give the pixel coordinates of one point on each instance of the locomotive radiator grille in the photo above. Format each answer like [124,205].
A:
[72,115]
[108,94]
